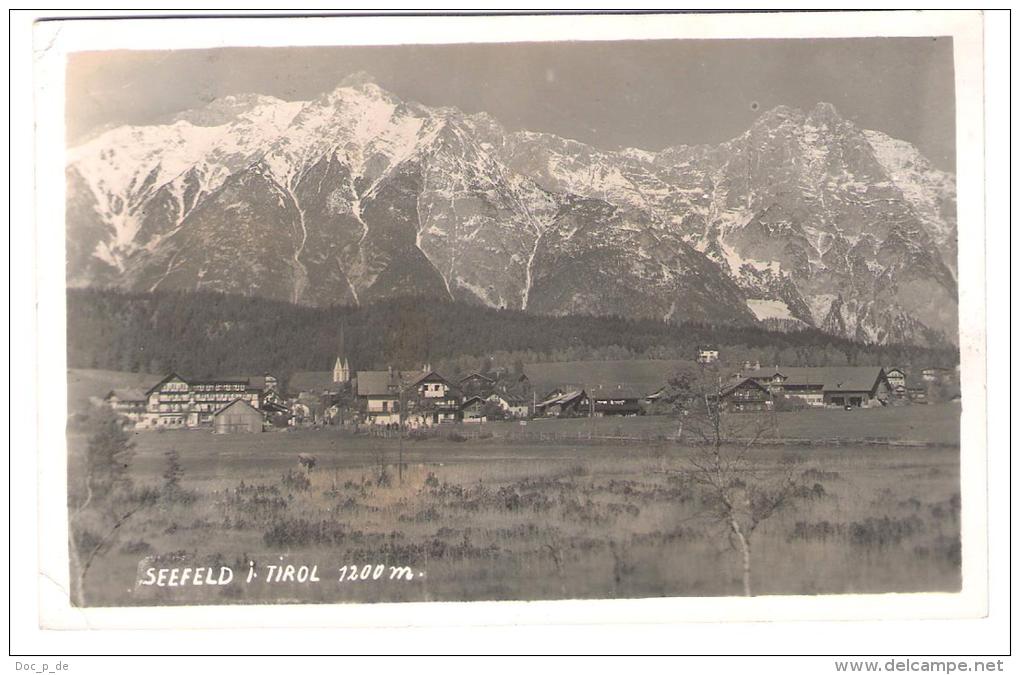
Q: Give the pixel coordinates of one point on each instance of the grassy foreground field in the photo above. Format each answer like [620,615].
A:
[932,424]
[492,519]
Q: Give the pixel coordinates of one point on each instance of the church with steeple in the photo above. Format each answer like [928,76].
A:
[342,368]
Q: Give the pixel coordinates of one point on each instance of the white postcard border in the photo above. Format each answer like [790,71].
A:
[53,41]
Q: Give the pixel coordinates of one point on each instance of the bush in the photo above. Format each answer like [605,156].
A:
[821,530]
[885,531]
[300,532]
[295,480]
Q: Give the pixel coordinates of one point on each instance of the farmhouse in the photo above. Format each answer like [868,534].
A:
[617,400]
[559,403]
[176,402]
[238,417]
[744,395]
[859,387]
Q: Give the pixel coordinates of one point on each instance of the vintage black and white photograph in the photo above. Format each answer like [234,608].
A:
[512,321]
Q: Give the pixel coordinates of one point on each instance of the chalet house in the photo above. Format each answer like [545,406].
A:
[513,405]
[477,384]
[616,401]
[176,402]
[473,410]
[836,385]
[426,396]
[897,378]
[130,403]
[707,354]
[379,393]
[559,403]
[432,399]
[238,417]
[745,395]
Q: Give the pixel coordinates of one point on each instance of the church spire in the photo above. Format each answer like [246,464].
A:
[341,368]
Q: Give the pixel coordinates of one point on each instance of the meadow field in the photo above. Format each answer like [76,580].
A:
[937,424]
[495,518]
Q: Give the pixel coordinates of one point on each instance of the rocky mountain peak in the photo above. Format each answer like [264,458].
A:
[226,109]
[358,195]
[359,79]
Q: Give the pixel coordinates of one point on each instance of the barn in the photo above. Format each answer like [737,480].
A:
[238,417]
[745,394]
[618,400]
[559,403]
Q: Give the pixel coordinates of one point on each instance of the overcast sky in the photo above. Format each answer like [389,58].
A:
[645,94]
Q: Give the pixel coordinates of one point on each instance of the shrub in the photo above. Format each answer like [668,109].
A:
[295,480]
[300,532]
[885,531]
[821,530]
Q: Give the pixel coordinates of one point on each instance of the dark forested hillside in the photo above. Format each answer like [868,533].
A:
[206,334]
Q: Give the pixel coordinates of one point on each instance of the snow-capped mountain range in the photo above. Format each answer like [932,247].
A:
[358,195]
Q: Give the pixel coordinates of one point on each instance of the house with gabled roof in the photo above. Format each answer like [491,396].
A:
[616,400]
[512,404]
[472,410]
[238,417]
[476,384]
[854,386]
[178,402]
[744,394]
[560,403]
[424,396]
[129,403]
[432,399]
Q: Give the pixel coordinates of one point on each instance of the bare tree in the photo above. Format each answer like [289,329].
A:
[109,496]
[738,490]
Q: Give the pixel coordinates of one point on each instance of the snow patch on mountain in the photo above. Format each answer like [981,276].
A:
[926,188]
[377,195]
[770,309]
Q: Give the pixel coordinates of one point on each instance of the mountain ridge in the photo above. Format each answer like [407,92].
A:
[358,195]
